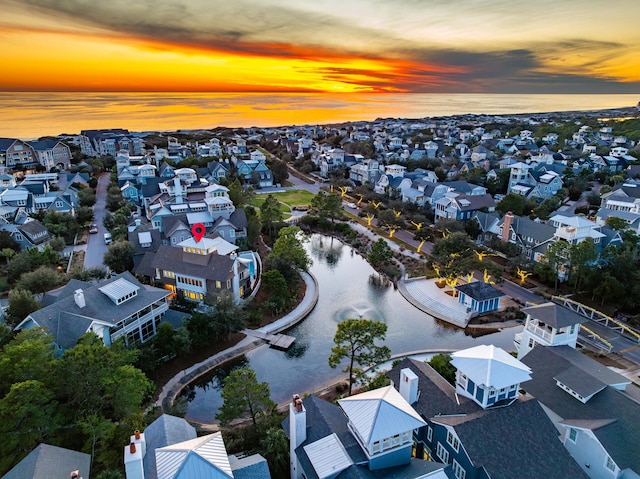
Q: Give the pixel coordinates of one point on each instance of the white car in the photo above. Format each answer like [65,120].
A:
[107,238]
[351,205]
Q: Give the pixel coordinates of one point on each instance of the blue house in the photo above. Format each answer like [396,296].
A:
[481,297]
[369,435]
[513,438]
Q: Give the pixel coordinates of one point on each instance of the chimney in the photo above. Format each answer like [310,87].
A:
[177,190]
[506,227]
[78,296]
[75,475]
[140,442]
[408,385]
[133,462]
[297,432]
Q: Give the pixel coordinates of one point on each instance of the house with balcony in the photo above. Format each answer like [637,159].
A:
[530,237]
[469,430]
[116,307]
[196,270]
[457,206]
[548,324]
[533,181]
[574,229]
[588,404]
[52,154]
[14,152]
[368,435]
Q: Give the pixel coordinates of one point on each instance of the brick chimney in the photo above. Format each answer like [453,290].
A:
[138,439]
[506,227]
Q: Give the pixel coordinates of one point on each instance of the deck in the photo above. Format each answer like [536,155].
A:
[278,341]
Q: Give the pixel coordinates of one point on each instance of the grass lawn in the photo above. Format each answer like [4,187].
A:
[290,198]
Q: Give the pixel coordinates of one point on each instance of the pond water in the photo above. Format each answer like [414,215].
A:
[344,292]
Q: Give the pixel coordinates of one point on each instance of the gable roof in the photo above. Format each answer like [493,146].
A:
[534,451]
[620,437]
[204,456]
[490,366]
[162,432]
[46,462]
[380,414]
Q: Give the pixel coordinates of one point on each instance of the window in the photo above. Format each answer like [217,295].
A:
[573,434]
[609,464]
[429,433]
[442,453]
[452,440]
[18,237]
[458,471]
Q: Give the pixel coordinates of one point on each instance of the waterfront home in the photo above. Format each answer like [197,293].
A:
[14,152]
[169,448]
[368,435]
[116,307]
[469,424]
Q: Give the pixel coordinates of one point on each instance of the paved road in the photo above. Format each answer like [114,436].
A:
[95,244]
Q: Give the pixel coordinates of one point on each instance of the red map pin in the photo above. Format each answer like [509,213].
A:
[198,231]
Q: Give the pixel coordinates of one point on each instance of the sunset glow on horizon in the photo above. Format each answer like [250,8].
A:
[352,46]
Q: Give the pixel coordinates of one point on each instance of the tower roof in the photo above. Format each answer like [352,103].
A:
[490,366]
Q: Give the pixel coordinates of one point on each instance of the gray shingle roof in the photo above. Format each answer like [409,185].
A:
[50,462]
[480,291]
[620,438]
[554,315]
[213,266]
[534,451]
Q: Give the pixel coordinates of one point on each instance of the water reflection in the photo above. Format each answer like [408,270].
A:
[345,292]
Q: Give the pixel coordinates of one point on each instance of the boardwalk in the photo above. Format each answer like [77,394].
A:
[278,341]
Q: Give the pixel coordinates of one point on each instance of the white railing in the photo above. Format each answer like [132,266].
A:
[542,332]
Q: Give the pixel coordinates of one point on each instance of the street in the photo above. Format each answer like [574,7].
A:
[96,248]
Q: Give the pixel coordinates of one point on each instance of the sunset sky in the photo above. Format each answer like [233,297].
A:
[498,46]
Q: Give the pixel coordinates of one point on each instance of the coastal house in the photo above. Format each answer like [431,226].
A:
[52,154]
[457,206]
[368,435]
[479,296]
[197,269]
[530,237]
[588,404]
[116,307]
[169,448]
[14,152]
[47,461]
[468,434]
[548,324]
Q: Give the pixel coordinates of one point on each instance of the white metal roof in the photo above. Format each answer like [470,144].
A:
[328,456]
[490,366]
[380,414]
[219,245]
[144,237]
[211,448]
[118,289]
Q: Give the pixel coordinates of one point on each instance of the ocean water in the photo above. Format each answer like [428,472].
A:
[35,114]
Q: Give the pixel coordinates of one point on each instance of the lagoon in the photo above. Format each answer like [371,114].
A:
[345,292]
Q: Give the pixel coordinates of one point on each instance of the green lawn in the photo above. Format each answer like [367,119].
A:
[291,198]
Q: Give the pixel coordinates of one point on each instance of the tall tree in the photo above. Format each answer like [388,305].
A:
[289,245]
[380,252]
[271,215]
[119,256]
[355,340]
[40,281]
[242,394]
[21,303]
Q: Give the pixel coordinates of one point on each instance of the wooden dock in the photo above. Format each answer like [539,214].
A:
[278,341]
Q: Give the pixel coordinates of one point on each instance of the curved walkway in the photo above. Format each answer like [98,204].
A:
[173,387]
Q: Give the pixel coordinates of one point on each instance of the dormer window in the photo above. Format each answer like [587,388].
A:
[452,440]
[120,290]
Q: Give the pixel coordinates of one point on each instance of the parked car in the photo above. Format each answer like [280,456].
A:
[351,205]
[93,228]
[107,238]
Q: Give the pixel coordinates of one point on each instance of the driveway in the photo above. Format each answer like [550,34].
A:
[95,244]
